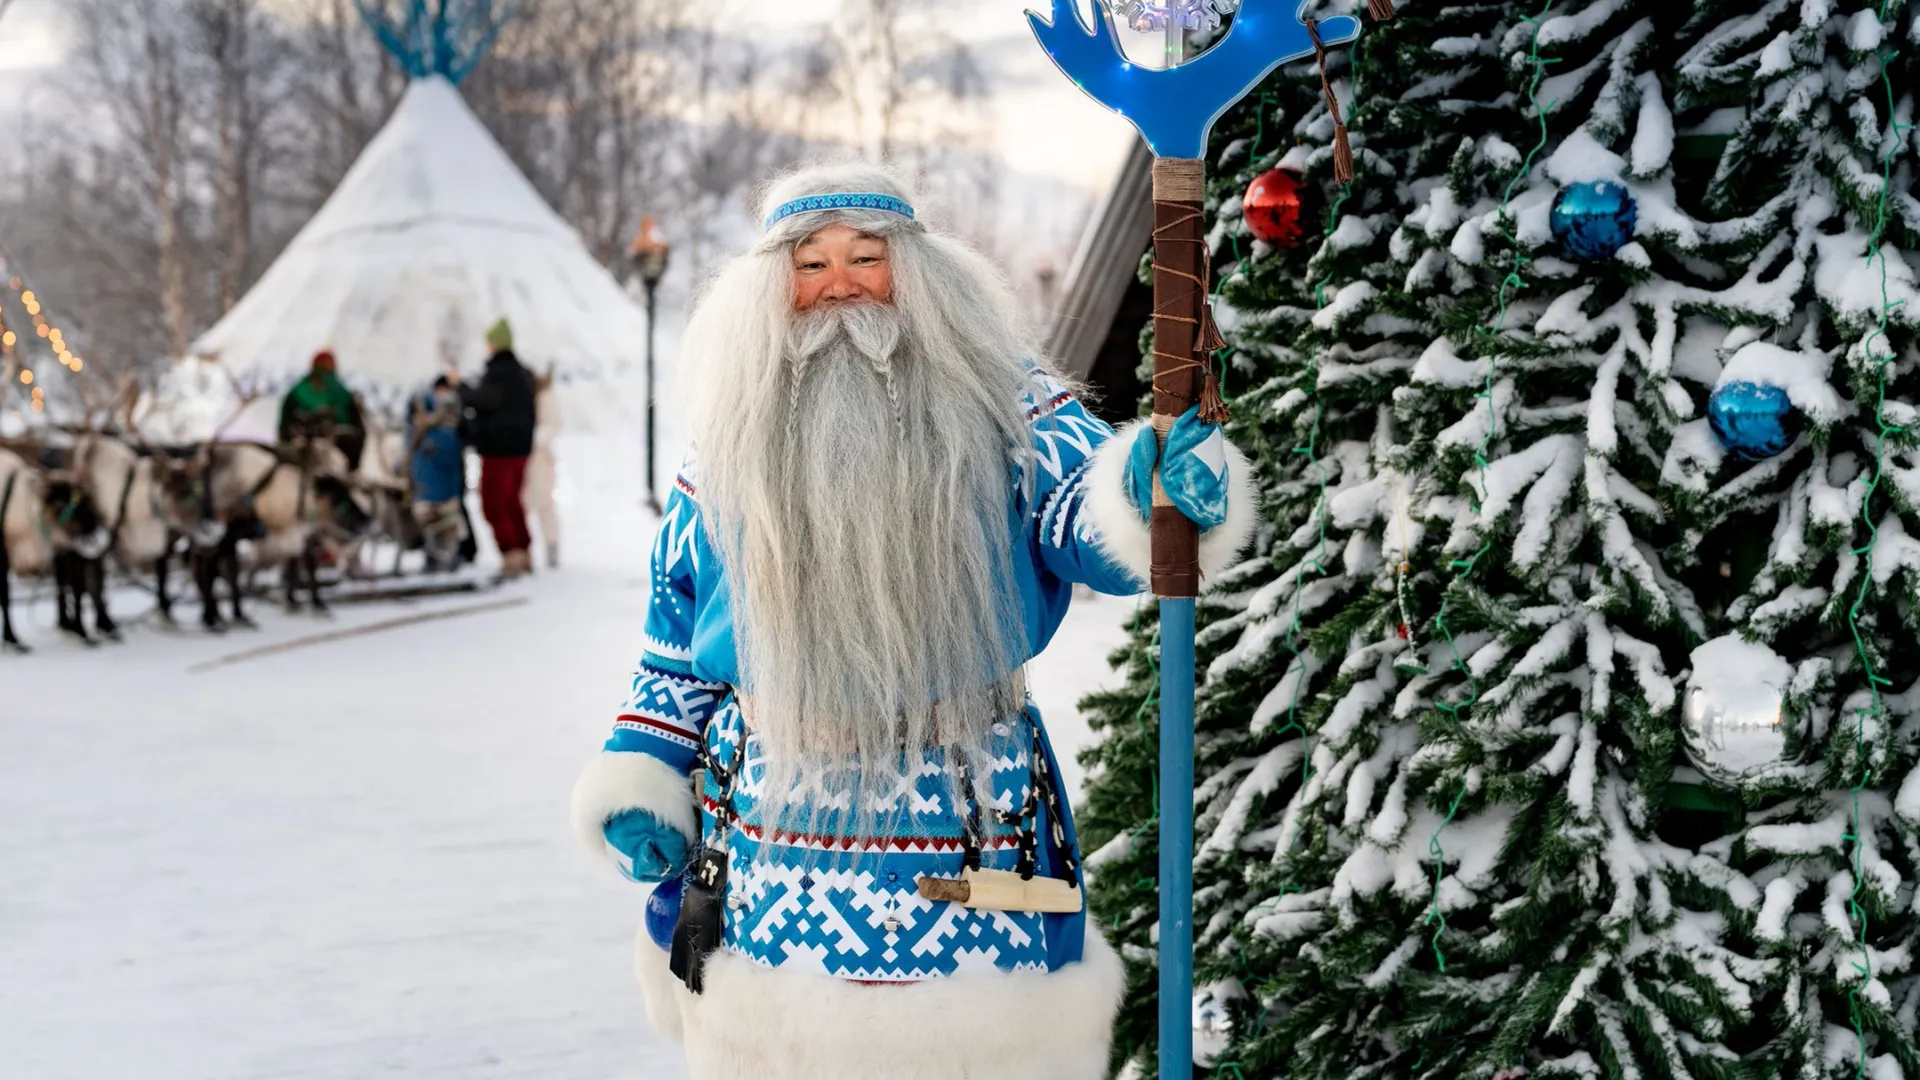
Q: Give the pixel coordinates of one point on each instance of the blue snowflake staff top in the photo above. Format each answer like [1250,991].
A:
[1593,220]
[1155,15]
[1175,108]
[814,204]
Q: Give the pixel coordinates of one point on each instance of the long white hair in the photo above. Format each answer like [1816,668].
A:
[855,471]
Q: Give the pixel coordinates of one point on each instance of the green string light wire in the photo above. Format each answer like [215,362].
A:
[1311,451]
[1509,285]
[1222,355]
[1152,698]
[1856,912]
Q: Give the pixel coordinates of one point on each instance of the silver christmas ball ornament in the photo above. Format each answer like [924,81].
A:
[1212,1024]
[1734,722]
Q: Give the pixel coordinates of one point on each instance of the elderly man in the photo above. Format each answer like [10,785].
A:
[885,511]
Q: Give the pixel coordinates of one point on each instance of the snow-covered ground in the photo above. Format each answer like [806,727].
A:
[350,859]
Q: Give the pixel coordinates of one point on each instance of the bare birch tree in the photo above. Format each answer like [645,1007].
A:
[239,47]
[229,122]
[132,56]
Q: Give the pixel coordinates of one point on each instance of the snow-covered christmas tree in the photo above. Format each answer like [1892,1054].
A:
[1306,375]
[1590,609]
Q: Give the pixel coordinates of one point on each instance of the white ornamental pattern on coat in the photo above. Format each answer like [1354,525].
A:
[1059,436]
[849,906]
[854,924]
[678,528]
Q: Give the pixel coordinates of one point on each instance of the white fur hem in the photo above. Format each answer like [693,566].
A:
[754,1023]
[1124,535]
[661,991]
[616,781]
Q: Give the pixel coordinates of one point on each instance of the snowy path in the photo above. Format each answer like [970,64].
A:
[346,860]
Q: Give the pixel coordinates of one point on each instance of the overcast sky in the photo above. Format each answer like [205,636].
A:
[1045,125]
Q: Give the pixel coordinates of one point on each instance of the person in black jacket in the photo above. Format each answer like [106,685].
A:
[500,415]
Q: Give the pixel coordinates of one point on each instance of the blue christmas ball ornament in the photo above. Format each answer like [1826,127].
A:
[663,910]
[1593,220]
[1752,420]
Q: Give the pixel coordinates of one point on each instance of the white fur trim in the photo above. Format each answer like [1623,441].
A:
[1123,533]
[616,781]
[1222,545]
[662,992]
[1124,536]
[754,1023]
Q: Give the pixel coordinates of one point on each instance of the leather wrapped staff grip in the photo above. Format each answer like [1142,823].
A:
[1179,306]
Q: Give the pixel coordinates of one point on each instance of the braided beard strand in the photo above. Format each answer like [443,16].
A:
[873,562]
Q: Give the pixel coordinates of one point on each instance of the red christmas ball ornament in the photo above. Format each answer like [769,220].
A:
[1272,207]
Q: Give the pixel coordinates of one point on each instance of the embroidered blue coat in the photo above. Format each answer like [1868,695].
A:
[848,905]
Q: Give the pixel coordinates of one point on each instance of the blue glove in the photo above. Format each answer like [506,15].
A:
[1193,470]
[654,851]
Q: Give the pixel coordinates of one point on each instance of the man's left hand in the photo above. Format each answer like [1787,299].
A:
[1193,470]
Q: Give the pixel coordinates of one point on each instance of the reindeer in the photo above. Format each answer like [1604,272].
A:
[146,508]
[143,516]
[286,505]
[384,478]
[76,570]
[47,524]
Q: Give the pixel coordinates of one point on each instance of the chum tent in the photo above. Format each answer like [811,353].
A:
[431,236]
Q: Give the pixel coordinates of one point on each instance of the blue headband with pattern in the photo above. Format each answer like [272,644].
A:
[816,203]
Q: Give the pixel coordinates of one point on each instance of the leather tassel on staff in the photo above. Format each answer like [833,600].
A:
[1342,153]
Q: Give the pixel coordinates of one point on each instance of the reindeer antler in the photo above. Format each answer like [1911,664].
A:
[129,398]
[1175,108]
[89,405]
[241,394]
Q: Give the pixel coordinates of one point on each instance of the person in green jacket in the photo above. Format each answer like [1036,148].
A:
[321,404]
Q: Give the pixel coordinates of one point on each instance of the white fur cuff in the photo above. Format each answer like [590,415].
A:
[1123,533]
[616,781]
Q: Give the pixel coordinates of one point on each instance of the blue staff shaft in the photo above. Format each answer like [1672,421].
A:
[1176,839]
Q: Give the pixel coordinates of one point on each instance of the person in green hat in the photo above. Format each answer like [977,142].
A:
[320,405]
[500,413]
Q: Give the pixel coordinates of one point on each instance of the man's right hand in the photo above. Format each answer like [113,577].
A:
[652,850]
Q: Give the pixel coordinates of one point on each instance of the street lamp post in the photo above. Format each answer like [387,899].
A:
[650,255]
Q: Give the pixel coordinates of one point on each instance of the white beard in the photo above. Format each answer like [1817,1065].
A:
[867,540]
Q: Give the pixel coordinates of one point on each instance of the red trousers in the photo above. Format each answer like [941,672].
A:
[501,479]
